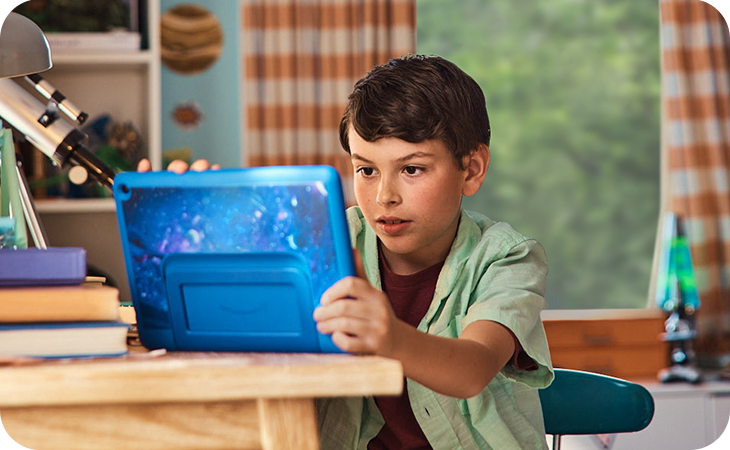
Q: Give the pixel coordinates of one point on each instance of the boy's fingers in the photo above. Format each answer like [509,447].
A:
[348,287]
[352,343]
[351,325]
[200,165]
[144,165]
[346,342]
[178,166]
[343,307]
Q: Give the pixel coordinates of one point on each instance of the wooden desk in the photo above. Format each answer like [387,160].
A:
[184,400]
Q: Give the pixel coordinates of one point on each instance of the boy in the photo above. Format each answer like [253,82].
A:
[452,295]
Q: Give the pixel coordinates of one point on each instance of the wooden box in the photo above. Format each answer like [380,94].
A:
[620,343]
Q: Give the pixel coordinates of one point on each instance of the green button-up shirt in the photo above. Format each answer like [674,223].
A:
[491,273]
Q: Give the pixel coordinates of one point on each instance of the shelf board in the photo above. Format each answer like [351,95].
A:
[97,58]
[81,205]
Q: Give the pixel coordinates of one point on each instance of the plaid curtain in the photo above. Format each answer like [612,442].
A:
[696,151]
[301,60]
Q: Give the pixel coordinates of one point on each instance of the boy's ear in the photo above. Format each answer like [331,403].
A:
[476,169]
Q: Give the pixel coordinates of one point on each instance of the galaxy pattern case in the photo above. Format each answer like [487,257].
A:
[234,259]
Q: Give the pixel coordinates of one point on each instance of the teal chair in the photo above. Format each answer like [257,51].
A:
[588,403]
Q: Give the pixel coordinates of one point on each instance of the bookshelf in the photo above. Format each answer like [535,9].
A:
[126,85]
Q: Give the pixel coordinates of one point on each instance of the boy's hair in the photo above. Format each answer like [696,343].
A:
[417,98]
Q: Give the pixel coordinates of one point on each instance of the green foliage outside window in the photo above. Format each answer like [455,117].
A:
[573,93]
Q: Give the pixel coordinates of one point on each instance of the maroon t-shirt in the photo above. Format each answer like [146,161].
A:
[410,296]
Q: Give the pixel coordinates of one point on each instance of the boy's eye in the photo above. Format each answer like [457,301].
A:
[413,170]
[367,171]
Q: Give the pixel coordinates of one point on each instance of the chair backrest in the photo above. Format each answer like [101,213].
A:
[588,403]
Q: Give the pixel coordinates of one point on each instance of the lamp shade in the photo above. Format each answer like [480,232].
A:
[24,49]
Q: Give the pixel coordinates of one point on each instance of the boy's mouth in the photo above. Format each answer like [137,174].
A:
[390,220]
[392,225]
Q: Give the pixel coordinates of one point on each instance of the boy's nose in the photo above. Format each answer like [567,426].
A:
[387,193]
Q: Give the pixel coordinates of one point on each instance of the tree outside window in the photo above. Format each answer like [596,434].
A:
[573,93]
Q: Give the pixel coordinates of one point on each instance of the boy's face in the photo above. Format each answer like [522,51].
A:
[410,195]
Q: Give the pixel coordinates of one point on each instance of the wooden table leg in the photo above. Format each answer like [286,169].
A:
[288,424]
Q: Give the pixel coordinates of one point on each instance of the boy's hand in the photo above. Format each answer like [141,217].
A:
[179,166]
[360,319]
[358,316]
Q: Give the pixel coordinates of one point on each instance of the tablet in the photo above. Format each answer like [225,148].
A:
[233,259]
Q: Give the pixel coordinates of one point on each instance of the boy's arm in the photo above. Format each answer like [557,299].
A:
[457,367]
[360,319]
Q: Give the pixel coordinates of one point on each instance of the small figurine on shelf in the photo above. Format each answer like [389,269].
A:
[677,294]
[116,144]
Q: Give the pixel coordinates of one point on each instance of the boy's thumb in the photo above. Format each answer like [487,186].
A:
[359,266]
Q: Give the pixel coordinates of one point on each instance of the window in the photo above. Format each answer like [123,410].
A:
[573,94]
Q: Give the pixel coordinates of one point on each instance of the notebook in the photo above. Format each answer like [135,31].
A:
[233,259]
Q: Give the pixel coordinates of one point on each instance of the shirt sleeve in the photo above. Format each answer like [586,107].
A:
[511,292]
[521,360]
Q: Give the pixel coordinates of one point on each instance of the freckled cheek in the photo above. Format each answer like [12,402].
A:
[448,200]
[419,197]
[440,195]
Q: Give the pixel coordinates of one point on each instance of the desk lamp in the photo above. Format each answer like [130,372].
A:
[23,48]
[24,51]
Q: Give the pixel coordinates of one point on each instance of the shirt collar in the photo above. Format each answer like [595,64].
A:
[467,236]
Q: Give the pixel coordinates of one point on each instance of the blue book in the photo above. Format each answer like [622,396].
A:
[63,339]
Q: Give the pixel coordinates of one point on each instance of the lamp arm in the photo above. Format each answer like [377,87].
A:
[58,140]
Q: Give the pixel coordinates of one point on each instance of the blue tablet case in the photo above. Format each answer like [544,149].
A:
[233,259]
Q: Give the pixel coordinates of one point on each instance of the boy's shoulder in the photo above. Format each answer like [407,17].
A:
[481,241]
[479,228]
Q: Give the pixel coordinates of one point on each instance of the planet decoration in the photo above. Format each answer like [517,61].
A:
[191,39]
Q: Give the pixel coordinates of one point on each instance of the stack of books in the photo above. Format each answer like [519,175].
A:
[59,320]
